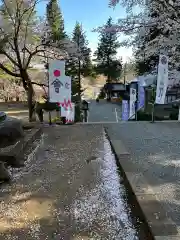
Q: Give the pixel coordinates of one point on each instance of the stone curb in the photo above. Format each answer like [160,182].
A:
[149,207]
[17,150]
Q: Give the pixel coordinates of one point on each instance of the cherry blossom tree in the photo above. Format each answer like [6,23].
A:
[24,37]
[151,31]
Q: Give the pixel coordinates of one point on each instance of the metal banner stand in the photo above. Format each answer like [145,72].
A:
[49,113]
[152,113]
[153,106]
[136,109]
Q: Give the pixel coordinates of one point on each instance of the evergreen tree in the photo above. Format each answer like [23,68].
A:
[81,65]
[79,38]
[55,20]
[106,53]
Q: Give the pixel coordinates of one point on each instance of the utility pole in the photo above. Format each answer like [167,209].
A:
[79,66]
[125,66]
[79,77]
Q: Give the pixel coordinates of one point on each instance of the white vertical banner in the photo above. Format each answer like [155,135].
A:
[69,113]
[132,103]
[162,79]
[179,114]
[59,84]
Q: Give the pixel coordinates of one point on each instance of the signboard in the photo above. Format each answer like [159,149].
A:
[125,110]
[132,103]
[162,79]
[59,84]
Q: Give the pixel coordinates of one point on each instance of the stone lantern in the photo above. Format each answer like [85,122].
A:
[85,105]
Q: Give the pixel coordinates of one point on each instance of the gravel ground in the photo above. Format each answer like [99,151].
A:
[69,189]
[155,151]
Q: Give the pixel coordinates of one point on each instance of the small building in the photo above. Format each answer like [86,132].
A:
[115,90]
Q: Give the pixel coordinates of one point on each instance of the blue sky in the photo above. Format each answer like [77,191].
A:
[91,13]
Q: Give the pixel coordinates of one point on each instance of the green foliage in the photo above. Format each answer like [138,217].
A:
[174,115]
[80,38]
[79,66]
[55,20]
[106,54]
[102,94]
[146,65]
[143,116]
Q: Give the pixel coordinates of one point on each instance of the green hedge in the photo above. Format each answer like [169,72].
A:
[174,116]
[143,116]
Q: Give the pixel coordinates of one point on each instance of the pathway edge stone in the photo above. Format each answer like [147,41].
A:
[160,226]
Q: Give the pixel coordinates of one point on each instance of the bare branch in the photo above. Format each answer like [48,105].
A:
[31,55]
[39,84]
[11,17]
[9,57]
[26,30]
[9,71]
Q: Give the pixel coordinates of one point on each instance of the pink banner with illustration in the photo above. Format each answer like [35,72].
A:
[59,84]
[69,113]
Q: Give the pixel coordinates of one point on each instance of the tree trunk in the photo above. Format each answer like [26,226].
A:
[30,95]
[31,103]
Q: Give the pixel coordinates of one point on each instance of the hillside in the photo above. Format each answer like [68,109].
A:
[92,86]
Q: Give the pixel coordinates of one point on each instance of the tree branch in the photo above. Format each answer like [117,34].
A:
[9,71]
[39,84]
[27,22]
[9,57]
[32,55]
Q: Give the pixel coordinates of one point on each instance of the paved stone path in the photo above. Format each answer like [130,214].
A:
[69,189]
[154,170]
[104,112]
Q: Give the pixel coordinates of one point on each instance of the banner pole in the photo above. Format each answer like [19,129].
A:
[50,120]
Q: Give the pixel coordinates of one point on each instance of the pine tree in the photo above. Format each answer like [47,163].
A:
[55,20]
[106,53]
[81,65]
[79,38]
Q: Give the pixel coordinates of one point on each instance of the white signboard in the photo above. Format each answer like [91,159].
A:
[162,79]
[132,103]
[59,84]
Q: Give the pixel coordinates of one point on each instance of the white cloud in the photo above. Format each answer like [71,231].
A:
[125,53]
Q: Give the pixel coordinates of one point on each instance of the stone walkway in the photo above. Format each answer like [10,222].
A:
[151,162]
[69,189]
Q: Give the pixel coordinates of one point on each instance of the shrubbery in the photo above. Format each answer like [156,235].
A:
[143,116]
